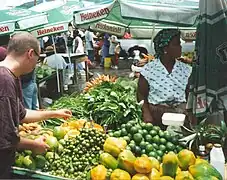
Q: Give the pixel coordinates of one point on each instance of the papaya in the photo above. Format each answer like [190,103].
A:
[184,175]
[142,165]
[186,158]
[204,169]
[140,177]
[126,161]
[119,174]
[114,146]
[206,178]
[170,164]
[154,163]
[99,173]
[178,170]
[108,161]
[198,161]
[166,178]
[154,174]
[161,170]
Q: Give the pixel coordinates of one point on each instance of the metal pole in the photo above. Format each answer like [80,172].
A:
[34,2]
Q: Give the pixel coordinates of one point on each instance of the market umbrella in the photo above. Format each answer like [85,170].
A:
[20,19]
[208,83]
[125,12]
[109,17]
[58,18]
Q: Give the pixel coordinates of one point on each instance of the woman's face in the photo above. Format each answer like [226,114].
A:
[174,47]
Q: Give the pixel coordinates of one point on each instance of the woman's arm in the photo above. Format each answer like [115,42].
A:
[142,94]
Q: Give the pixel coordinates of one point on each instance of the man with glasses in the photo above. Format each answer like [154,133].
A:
[22,55]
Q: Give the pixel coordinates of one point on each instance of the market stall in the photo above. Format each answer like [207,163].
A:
[106,137]
[124,146]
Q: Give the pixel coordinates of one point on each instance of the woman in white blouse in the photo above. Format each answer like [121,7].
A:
[163,82]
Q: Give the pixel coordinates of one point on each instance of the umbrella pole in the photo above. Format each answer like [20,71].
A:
[58,82]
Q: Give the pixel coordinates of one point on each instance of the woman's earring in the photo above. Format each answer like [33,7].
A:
[165,52]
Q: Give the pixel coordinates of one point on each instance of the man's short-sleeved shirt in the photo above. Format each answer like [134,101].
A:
[165,87]
[11,109]
[88,39]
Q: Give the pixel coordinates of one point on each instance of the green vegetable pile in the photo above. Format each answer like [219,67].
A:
[108,104]
[144,138]
[43,71]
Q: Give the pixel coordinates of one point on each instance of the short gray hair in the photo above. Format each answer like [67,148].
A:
[22,42]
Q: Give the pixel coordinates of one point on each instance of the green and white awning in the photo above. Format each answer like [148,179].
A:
[58,19]
[112,17]
[20,19]
[173,12]
[208,84]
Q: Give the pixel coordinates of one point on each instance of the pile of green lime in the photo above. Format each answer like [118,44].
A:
[144,138]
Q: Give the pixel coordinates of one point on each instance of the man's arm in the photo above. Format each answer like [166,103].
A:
[37,146]
[36,116]
[142,94]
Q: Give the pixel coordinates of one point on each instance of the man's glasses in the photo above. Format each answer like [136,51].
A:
[38,55]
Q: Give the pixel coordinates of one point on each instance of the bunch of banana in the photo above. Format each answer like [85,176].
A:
[99,80]
[26,129]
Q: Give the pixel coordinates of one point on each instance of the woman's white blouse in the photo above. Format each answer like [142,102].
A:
[165,87]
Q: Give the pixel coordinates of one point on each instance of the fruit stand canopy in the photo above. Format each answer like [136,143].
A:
[20,19]
[125,12]
[58,18]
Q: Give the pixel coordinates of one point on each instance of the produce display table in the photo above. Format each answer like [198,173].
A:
[76,58]
[47,78]
[17,171]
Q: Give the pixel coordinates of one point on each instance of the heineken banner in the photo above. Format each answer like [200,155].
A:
[48,30]
[94,14]
[7,28]
[109,28]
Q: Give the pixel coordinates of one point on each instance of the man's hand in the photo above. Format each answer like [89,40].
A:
[63,113]
[40,147]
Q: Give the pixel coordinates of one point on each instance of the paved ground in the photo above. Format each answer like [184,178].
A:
[118,72]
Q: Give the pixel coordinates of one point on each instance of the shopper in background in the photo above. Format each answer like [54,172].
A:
[127,34]
[29,90]
[113,44]
[22,54]
[2,53]
[105,48]
[163,81]
[89,40]
[78,47]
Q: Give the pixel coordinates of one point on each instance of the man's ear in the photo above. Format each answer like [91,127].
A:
[30,53]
